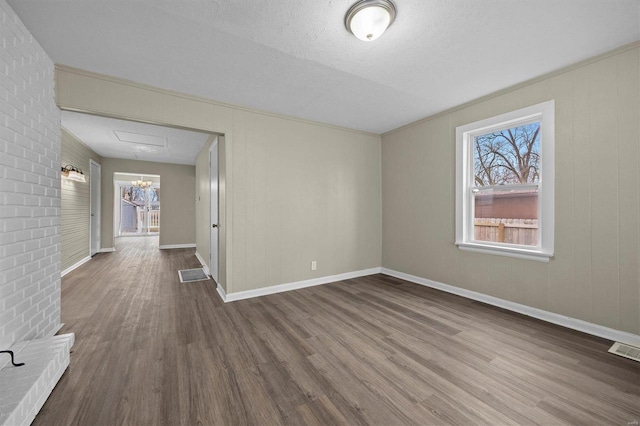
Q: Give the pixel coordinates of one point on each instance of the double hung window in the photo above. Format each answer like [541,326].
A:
[505,183]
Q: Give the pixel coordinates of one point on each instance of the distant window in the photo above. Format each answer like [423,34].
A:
[505,183]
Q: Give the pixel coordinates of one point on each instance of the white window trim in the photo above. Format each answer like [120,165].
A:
[545,113]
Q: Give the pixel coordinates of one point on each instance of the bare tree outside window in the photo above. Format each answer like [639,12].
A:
[509,156]
[504,160]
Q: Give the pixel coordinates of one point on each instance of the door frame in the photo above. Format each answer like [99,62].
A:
[117,209]
[214,195]
[226,155]
[94,200]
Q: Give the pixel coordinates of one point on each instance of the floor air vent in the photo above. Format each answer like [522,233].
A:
[626,351]
[191,275]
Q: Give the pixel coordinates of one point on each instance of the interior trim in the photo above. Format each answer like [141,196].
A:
[551,317]
[75,266]
[565,321]
[203,264]
[176,246]
[222,293]
[248,294]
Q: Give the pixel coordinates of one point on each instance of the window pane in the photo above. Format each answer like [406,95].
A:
[508,156]
[506,216]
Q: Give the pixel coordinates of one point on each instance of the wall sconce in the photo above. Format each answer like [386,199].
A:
[73,173]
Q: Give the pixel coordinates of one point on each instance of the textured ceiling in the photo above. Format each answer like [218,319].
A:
[98,133]
[296,58]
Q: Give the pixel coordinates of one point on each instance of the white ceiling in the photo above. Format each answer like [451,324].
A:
[296,58]
[169,145]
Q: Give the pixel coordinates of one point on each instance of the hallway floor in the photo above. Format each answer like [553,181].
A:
[372,350]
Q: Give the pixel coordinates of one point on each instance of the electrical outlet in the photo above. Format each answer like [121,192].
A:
[314,265]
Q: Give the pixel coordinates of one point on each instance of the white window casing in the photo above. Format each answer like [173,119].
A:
[543,113]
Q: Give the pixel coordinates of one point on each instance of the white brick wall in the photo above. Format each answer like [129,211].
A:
[29,186]
[23,390]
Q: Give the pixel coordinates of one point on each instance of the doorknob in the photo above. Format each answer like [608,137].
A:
[92,215]
[215,225]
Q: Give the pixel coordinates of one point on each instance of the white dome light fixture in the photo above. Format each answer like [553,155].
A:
[369,19]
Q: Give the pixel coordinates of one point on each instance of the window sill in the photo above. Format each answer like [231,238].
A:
[506,251]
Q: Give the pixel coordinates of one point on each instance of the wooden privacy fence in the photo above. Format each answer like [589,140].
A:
[511,231]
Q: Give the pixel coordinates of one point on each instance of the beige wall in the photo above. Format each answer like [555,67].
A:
[312,195]
[297,191]
[75,201]
[302,192]
[177,199]
[594,275]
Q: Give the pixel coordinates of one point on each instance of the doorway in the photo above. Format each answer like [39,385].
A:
[138,204]
[122,143]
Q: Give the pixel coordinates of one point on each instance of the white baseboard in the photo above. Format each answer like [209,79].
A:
[248,294]
[75,266]
[565,321]
[107,250]
[222,293]
[176,246]
[203,263]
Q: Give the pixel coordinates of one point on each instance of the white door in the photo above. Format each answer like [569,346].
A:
[95,207]
[213,167]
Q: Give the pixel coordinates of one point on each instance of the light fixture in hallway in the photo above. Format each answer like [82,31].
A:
[369,19]
[73,173]
[141,183]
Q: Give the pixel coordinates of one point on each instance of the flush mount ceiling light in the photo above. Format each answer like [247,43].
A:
[368,19]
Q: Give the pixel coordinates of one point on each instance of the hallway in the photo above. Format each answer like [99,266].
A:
[372,350]
[133,320]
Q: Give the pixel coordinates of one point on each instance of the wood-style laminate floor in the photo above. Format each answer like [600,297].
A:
[373,350]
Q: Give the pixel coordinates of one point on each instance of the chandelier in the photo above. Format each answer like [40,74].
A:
[141,183]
